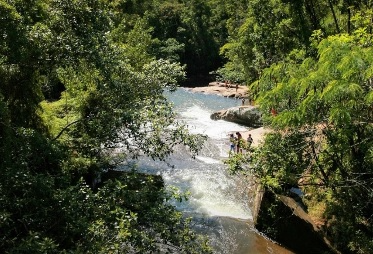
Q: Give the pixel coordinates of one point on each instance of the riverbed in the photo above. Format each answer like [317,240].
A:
[218,202]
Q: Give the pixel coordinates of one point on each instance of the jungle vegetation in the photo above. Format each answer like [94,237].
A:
[81,80]
[309,66]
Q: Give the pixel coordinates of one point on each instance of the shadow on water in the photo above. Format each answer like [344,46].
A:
[234,236]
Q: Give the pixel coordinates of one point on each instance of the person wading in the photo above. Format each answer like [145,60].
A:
[239,142]
[249,141]
[233,142]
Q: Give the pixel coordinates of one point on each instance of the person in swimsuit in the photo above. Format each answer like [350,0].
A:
[233,142]
[239,142]
[249,140]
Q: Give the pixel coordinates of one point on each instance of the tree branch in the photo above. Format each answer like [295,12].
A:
[65,128]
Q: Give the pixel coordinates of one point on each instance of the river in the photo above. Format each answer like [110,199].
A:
[218,201]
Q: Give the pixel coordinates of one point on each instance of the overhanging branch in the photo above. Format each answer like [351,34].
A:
[64,128]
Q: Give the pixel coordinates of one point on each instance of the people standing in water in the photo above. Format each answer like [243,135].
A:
[239,142]
[233,142]
[249,141]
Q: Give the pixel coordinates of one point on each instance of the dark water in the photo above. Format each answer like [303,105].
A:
[218,202]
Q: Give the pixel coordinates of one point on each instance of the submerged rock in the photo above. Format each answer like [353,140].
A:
[246,115]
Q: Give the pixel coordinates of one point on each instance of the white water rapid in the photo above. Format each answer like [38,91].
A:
[218,201]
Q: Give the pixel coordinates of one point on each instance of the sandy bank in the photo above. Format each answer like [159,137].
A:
[220,88]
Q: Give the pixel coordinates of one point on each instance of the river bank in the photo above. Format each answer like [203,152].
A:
[293,225]
[218,201]
[223,89]
[231,91]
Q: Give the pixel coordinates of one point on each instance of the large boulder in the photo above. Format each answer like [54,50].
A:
[246,115]
[284,219]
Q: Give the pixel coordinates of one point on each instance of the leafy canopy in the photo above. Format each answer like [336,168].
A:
[322,139]
[78,96]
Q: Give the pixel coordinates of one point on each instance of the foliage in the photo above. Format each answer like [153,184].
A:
[310,63]
[268,31]
[238,163]
[262,33]
[323,130]
[76,87]
[123,215]
[79,94]
[187,25]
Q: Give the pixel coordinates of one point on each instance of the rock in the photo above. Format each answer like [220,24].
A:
[284,220]
[246,115]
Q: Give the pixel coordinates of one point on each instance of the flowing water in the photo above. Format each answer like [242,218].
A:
[218,201]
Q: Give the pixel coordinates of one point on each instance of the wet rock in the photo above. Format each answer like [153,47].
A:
[284,220]
[246,115]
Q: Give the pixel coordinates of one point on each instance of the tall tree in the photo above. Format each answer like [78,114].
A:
[108,97]
[322,134]
[187,25]
[269,30]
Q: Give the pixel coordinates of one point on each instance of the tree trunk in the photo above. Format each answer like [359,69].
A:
[334,16]
[312,14]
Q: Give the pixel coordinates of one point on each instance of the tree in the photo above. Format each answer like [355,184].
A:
[267,31]
[322,138]
[187,24]
[55,146]
[266,34]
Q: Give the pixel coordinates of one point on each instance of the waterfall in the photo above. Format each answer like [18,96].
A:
[218,202]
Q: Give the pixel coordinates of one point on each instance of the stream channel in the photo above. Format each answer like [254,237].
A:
[218,202]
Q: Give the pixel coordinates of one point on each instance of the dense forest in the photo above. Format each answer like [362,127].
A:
[81,91]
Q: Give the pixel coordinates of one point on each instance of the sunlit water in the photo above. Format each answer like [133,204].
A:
[218,202]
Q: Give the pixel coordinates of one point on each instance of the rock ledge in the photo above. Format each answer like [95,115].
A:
[246,115]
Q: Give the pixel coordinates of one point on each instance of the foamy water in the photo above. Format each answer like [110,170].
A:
[212,191]
[219,207]
[199,122]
